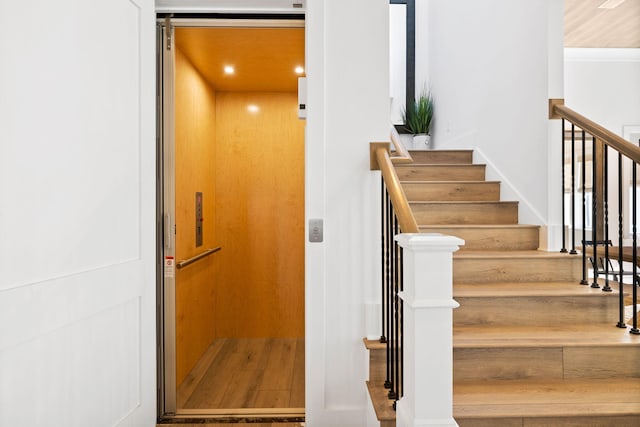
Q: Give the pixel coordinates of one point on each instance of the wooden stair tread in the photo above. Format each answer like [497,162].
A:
[381,404]
[439,165]
[524,289]
[482,237]
[479,226]
[457,190]
[440,172]
[514,254]
[374,344]
[546,398]
[477,172]
[462,203]
[446,150]
[574,335]
[464,212]
[446,182]
[442,156]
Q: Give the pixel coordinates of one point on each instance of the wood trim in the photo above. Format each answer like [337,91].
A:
[373,160]
[553,115]
[381,160]
[402,155]
[598,188]
[557,110]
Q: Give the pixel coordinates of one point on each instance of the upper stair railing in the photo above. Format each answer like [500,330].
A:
[589,168]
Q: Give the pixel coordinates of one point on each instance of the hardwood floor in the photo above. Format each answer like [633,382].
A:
[247,373]
[233,425]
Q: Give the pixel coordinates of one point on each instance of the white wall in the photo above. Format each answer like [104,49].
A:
[604,85]
[422,54]
[348,106]
[489,71]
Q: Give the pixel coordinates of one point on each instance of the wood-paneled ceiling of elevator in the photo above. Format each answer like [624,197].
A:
[264,59]
[585,25]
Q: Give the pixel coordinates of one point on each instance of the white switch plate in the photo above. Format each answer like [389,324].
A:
[316,232]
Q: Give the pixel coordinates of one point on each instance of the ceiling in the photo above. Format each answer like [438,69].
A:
[264,59]
[585,25]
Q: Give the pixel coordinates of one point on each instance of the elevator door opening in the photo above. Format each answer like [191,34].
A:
[232,219]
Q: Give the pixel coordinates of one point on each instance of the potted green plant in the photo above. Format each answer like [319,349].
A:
[418,118]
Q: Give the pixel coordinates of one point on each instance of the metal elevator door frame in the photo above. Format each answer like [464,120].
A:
[166,221]
[166,192]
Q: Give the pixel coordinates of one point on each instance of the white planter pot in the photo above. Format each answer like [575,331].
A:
[421,141]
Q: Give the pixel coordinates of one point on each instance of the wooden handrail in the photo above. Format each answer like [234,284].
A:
[402,155]
[558,110]
[380,160]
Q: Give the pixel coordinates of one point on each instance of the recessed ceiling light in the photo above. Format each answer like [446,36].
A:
[252,108]
[299,69]
[610,4]
[228,69]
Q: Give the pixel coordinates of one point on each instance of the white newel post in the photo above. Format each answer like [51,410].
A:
[428,330]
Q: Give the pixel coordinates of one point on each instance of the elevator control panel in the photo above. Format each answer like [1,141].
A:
[199,218]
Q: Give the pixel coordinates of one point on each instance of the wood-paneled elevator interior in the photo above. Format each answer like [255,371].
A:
[239,142]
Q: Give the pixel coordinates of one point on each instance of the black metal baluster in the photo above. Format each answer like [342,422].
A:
[401,385]
[383,201]
[396,305]
[634,329]
[620,323]
[573,190]
[564,249]
[390,213]
[584,211]
[594,216]
[392,337]
[605,195]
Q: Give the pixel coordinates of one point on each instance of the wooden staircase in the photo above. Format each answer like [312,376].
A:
[532,347]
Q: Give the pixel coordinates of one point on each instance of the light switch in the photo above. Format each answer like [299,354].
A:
[316,230]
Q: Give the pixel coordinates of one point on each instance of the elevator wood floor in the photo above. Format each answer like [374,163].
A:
[246,373]
[233,425]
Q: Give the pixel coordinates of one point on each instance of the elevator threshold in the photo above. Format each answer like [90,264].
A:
[283,417]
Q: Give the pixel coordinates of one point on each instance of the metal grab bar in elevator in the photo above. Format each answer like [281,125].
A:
[198,257]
